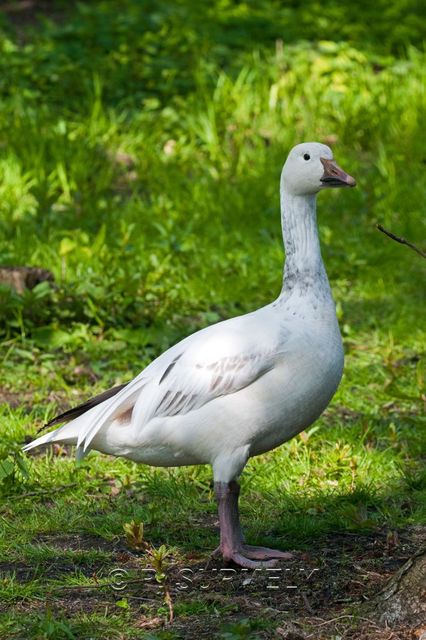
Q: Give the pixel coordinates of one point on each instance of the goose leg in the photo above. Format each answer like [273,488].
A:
[232,546]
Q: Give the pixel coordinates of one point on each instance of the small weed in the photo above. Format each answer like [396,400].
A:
[159,562]
[134,535]
[50,627]
[14,471]
[244,629]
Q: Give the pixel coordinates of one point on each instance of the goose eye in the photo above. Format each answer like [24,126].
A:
[307,156]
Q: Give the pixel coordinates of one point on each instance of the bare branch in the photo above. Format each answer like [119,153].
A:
[401,240]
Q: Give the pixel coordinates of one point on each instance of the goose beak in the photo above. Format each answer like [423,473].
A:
[334,176]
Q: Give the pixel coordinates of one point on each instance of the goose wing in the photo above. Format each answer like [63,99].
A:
[216,361]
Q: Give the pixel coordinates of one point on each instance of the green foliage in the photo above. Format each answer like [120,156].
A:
[131,257]
[140,151]
[135,186]
[14,470]
[51,628]
[244,629]
[134,535]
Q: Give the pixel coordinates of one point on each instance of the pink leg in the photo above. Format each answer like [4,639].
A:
[232,546]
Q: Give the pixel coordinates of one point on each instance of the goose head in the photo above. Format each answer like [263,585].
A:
[310,167]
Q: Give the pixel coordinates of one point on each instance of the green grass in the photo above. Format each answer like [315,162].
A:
[140,153]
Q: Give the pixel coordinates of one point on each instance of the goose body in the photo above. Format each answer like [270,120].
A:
[242,386]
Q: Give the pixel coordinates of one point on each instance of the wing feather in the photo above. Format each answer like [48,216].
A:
[219,360]
[191,384]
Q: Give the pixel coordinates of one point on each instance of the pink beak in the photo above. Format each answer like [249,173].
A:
[334,176]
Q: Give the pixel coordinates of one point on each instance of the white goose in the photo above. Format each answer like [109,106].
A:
[240,387]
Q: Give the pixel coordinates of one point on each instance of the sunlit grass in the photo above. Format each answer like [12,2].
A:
[139,162]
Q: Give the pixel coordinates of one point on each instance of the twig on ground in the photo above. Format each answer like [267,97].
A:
[325,622]
[45,492]
[401,240]
[78,587]
[307,603]
[106,585]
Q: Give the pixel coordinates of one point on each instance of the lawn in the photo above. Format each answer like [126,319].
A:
[141,145]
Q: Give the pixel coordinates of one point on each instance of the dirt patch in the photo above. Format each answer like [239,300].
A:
[22,278]
[22,14]
[338,412]
[77,542]
[54,569]
[22,572]
[16,399]
[316,595]
[25,399]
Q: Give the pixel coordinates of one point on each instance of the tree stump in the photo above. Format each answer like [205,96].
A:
[21,278]
[403,600]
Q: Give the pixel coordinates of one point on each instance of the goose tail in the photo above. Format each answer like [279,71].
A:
[67,434]
[91,418]
[79,420]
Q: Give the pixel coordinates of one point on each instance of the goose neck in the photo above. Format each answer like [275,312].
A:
[304,268]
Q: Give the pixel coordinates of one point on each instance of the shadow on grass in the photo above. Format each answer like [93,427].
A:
[183,516]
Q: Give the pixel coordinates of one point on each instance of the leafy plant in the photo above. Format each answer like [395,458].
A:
[50,627]
[159,562]
[14,469]
[134,535]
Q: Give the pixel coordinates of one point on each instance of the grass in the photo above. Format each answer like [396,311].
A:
[139,162]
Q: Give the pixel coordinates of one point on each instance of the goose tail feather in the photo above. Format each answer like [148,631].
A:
[67,434]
